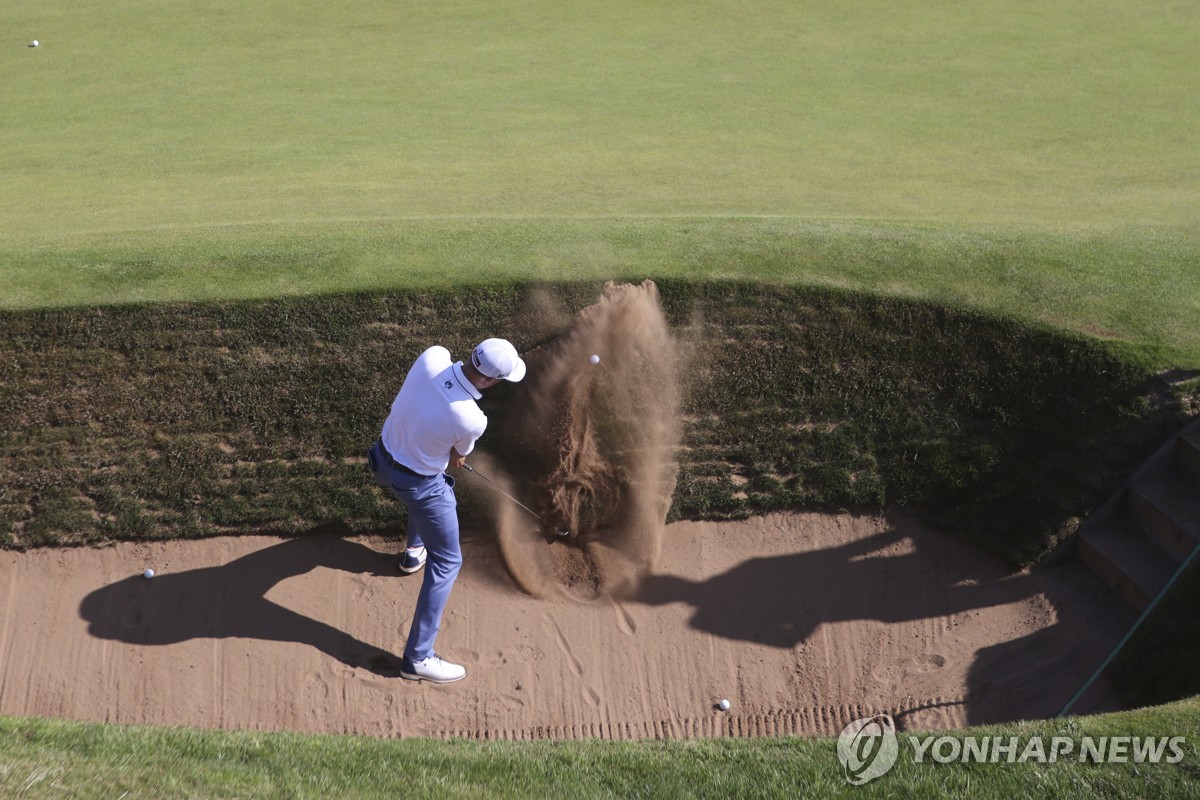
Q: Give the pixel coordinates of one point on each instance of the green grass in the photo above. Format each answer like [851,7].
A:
[1032,162]
[1009,158]
[41,758]
[137,115]
[1135,286]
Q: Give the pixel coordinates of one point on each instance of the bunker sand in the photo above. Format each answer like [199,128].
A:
[803,622]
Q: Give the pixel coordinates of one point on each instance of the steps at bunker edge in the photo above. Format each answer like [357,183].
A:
[1135,543]
[1187,455]
[1120,555]
[1167,506]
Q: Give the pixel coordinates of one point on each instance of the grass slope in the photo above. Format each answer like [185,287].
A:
[41,758]
[1135,286]
[180,420]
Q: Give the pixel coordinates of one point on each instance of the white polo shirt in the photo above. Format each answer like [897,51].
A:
[434,411]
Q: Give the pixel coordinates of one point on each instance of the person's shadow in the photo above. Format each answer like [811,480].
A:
[230,601]
[780,600]
[897,576]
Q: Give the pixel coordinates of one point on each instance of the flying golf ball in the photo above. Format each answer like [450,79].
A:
[723,705]
[149,573]
[595,359]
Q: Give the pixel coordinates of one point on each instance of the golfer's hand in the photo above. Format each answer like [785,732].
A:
[456,461]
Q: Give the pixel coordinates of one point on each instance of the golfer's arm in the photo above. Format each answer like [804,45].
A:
[468,441]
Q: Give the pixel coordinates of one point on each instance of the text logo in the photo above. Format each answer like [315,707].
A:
[868,748]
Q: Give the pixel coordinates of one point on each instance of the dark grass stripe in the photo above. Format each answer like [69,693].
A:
[184,420]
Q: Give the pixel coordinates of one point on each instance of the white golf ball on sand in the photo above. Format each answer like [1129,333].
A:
[723,705]
[149,573]
[595,359]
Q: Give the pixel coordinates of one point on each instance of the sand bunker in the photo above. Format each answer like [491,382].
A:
[590,447]
[803,622]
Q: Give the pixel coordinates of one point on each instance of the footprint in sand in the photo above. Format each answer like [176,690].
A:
[591,696]
[317,686]
[565,646]
[625,621]
[896,674]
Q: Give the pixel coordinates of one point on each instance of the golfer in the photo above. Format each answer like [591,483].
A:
[434,424]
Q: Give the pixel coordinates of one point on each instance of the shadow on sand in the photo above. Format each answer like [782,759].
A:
[902,574]
[906,574]
[230,601]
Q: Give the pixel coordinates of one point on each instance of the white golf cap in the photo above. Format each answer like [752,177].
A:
[497,358]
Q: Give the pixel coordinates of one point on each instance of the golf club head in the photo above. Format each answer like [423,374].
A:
[553,535]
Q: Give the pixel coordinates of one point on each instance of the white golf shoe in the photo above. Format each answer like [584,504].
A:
[433,669]
[412,560]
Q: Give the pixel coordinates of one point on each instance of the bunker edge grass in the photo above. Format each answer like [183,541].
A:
[50,758]
[1135,285]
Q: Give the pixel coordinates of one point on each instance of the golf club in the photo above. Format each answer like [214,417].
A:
[469,468]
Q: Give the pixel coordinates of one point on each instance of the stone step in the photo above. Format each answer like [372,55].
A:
[1167,506]
[1120,555]
[1187,456]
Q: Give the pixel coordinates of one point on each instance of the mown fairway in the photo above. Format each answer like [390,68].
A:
[136,115]
[1030,160]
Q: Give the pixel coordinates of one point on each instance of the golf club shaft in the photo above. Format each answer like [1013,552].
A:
[469,468]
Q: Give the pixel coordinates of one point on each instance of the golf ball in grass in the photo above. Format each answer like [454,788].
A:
[149,573]
[723,705]
[595,359]
[34,43]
